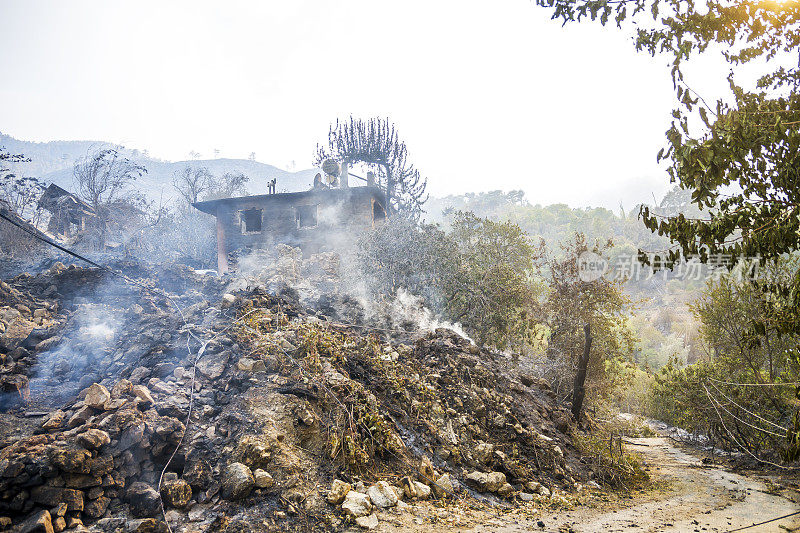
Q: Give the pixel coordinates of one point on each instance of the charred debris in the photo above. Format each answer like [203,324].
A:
[225,404]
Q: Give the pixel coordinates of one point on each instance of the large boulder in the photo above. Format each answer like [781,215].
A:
[238,482]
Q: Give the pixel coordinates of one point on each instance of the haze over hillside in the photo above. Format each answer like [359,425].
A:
[54,162]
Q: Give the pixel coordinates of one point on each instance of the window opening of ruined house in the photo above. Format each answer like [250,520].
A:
[252,220]
[378,214]
[306,216]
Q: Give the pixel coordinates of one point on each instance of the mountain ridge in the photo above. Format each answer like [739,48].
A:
[53,162]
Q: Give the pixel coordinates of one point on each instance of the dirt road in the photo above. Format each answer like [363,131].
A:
[688,496]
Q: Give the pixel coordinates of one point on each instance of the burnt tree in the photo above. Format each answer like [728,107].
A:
[578,389]
[375,144]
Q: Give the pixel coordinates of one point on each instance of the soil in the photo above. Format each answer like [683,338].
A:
[686,495]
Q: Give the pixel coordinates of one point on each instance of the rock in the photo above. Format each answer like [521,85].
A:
[478,480]
[356,504]
[56,420]
[143,393]
[211,367]
[37,522]
[339,490]
[495,480]
[97,396]
[525,496]
[238,482]
[368,522]
[93,439]
[96,508]
[197,473]
[245,364]
[80,417]
[382,495]
[176,492]
[74,522]
[443,486]
[143,499]
[58,510]
[139,373]
[544,491]
[52,496]
[145,525]
[59,524]
[505,490]
[227,300]
[263,479]
[423,491]
[122,388]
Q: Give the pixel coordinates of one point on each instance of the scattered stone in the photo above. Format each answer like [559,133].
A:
[176,492]
[443,486]
[52,496]
[143,499]
[494,481]
[122,388]
[339,490]
[263,479]
[55,420]
[38,522]
[368,522]
[143,393]
[97,396]
[145,525]
[93,439]
[238,482]
[356,504]
[96,508]
[382,495]
[505,490]
[59,524]
[525,496]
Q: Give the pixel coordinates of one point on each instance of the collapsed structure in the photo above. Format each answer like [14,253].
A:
[69,215]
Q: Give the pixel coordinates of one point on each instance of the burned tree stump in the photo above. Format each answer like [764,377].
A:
[578,390]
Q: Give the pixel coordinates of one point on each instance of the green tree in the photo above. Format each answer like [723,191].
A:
[494,292]
[741,161]
[570,303]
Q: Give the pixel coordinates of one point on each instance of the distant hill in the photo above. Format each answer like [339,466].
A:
[53,162]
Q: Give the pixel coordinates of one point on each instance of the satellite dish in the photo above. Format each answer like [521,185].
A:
[331,167]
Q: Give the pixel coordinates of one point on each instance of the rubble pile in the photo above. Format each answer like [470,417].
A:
[300,413]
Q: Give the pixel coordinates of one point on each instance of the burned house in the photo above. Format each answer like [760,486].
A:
[69,215]
[313,220]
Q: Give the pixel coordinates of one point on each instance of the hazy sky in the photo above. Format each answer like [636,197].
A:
[487,95]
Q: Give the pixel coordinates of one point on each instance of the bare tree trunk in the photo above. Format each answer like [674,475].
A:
[578,390]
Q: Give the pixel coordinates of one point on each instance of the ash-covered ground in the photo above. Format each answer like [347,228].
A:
[311,408]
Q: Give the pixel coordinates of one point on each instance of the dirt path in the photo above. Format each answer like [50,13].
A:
[689,496]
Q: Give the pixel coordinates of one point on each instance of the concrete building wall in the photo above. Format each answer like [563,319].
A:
[313,221]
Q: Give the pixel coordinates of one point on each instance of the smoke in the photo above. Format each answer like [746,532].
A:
[408,308]
[334,284]
[73,362]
